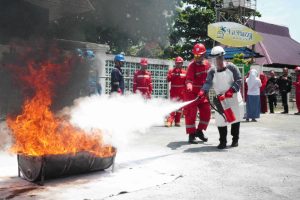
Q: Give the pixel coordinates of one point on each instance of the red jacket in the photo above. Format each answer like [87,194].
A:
[196,74]
[264,80]
[142,82]
[177,77]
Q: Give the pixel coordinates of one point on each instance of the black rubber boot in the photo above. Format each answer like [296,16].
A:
[223,137]
[199,134]
[235,132]
[192,139]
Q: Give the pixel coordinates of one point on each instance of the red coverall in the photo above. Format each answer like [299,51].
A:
[244,93]
[297,90]
[196,74]
[177,77]
[263,97]
[142,82]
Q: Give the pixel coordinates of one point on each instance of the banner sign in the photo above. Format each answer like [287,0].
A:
[233,34]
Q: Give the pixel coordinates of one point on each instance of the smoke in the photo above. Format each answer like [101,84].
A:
[120,118]
[5,137]
[147,18]
[119,23]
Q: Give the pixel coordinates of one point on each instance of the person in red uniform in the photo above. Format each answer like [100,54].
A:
[177,78]
[142,81]
[297,89]
[263,97]
[195,79]
[244,93]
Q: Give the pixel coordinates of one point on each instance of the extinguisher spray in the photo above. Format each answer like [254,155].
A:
[229,115]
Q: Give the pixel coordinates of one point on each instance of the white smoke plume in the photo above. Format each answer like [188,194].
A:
[120,117]
[5,137]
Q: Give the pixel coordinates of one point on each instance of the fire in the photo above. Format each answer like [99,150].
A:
[37,131]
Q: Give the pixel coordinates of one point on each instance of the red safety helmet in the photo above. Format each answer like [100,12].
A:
[297,69]
[179,60]
[144,62]
[199,49]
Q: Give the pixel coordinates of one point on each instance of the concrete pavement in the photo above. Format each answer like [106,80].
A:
[162,165]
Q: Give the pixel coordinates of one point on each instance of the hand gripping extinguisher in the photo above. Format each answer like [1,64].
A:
[229,115]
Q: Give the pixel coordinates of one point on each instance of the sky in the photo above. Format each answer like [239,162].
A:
[281,12]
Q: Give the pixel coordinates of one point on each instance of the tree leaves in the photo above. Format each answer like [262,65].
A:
[190,26]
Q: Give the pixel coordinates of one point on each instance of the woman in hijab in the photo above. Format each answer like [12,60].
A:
[253,95]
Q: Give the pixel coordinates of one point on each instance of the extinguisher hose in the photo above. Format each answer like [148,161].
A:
[218,111]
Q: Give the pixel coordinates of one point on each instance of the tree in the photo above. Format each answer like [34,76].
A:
[239,59]
[190,26]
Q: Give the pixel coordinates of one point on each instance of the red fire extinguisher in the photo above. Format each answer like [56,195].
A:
[229,115]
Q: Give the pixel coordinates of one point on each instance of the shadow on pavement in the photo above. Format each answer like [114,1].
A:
[204,149]
[19,188]
[13,187]
[176,145]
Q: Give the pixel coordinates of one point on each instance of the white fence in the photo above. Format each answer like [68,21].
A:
[158,68]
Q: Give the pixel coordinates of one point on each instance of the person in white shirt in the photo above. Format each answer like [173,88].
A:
[253,95]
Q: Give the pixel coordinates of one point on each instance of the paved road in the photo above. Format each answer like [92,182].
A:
[162,165]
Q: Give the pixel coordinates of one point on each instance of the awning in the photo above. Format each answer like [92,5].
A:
[230,52]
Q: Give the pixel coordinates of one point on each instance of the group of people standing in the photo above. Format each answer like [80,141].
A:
[142,81]
[195,83]
[259,88]
[285,84]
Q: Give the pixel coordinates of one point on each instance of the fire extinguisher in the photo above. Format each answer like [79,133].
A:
[229,115]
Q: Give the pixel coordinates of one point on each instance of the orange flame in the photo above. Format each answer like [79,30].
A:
[37,131]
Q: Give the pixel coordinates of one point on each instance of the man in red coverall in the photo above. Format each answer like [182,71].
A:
[177,77]
[263,97]
[297,89]
[195,79]
[142,80]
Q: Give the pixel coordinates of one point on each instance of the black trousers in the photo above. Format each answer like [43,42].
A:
[285,101]
[272,102]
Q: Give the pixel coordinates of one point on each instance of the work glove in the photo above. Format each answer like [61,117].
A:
[221,97]
[189,87]
[201,93]
[229,93]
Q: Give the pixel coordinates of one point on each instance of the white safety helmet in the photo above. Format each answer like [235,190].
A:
[217,51]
